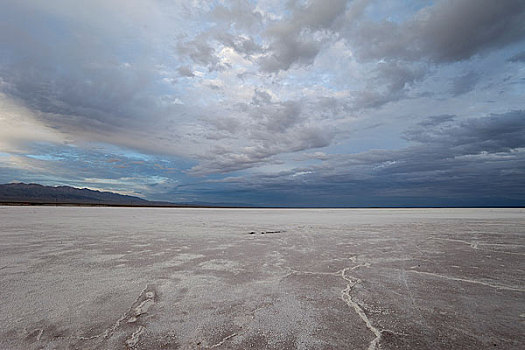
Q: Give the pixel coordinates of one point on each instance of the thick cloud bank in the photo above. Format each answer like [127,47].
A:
[267,102]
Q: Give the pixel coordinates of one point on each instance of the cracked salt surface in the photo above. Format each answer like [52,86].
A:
[127,278]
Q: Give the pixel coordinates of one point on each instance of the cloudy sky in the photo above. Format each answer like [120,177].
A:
[271,102]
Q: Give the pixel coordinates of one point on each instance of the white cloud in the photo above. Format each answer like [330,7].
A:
[20,126]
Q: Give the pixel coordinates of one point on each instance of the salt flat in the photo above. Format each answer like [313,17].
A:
[117,278]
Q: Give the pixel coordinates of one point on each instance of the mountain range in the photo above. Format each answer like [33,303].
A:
[21,193]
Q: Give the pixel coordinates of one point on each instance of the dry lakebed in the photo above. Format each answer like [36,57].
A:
[170,278]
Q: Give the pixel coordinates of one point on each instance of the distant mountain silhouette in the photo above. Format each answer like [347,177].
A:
[38,194]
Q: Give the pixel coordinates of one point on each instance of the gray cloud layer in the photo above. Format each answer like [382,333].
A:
[447,32]
[252,90]
[454,162]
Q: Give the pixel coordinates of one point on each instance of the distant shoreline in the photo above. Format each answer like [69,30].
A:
[49,204]
[65,204]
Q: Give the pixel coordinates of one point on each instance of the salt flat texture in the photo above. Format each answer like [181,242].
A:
[139,278]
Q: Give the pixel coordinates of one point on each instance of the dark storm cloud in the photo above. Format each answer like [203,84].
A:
[435,120]
[496,133]
[241,14]
[390,81]
[469,150]
[185,71]
[519,57]
[294,40]
[289,50]
[449,162]
[201,52]
[446,32]
[465,83]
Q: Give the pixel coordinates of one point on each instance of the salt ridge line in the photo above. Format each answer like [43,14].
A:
[497,286]
[320,273]
[223,341]
[135,312]
[476,245]
[135,337]
[347,298]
